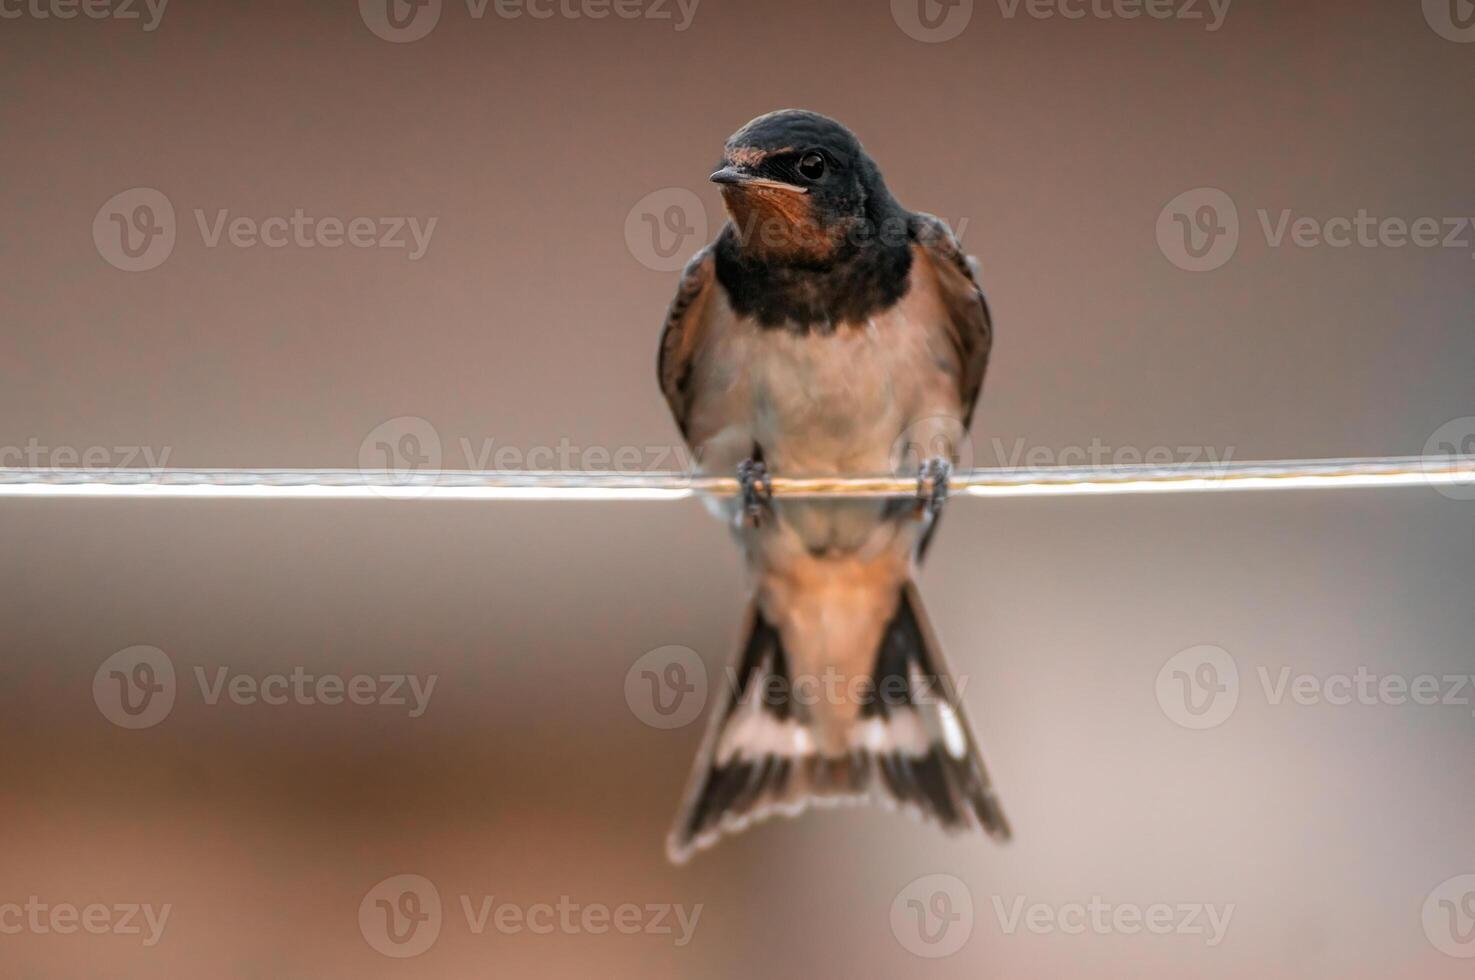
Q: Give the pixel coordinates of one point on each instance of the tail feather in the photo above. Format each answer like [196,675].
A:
[909,746]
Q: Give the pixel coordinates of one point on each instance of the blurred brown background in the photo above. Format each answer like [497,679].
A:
[532,319]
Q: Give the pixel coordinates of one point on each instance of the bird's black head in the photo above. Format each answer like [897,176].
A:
[801,190]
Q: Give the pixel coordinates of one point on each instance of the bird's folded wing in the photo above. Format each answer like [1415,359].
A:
[970,327]
[682,337]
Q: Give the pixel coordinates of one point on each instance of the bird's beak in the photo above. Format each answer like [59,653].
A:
[731,176]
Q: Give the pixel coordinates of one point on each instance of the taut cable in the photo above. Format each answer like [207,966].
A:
[346,484]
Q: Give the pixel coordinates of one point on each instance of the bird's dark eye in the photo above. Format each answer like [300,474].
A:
[812,166]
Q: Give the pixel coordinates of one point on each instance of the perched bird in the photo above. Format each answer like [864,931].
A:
[828,331]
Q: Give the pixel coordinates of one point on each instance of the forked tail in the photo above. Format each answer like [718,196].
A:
[906,742]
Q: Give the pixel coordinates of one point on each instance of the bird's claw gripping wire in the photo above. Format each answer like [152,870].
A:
[756,489]
[933,484]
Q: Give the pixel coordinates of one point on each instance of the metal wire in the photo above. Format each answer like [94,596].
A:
[342,484]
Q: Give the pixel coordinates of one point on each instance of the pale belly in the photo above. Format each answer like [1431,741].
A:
[822,406]
[857,402]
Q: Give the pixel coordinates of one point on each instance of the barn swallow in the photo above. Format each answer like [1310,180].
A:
[828,331]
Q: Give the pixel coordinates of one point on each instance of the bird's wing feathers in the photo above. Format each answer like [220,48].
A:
[682,337]
[971,328]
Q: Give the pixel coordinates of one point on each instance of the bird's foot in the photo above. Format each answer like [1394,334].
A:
[933,486]
[756,490]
